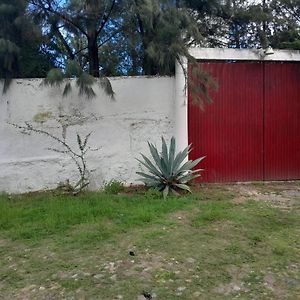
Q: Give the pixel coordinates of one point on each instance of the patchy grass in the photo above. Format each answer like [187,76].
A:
[121,246]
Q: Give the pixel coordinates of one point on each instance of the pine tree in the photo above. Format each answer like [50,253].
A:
[20,53]
[286,28]
[11,18]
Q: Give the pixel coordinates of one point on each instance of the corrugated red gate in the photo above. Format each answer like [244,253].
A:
[252,129]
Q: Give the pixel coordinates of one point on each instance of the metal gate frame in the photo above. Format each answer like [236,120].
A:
[212,54]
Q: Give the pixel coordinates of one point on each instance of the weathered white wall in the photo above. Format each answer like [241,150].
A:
[143,110]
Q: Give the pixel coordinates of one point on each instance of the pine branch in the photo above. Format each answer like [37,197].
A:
[106,17]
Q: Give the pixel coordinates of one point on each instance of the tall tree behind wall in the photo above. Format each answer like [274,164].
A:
[20,44]
[158,33]
[114,36]
[286,28]
[78,29]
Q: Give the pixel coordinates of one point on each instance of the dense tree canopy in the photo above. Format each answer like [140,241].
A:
[21,43]
[129,37]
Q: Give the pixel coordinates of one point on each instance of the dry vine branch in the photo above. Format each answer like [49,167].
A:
[78,157]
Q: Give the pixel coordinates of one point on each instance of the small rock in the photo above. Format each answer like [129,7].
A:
[113,277]
[42,288]
[191,260]
[147,269]
[291,281]
[196,294]
[181,289]
[119,297]
[54,286]
[236,288]
[111,267]
[98,276]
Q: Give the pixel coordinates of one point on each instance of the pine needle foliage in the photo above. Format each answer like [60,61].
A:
[200,85]
[21,53]
[84,81]
[10,34]
[166,33]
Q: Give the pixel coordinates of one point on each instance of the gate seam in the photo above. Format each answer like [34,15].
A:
[264,121]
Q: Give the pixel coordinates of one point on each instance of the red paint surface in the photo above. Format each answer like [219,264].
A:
[229,131]
[252,129]
[282,121]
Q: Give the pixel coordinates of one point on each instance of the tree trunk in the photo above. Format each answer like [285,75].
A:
[93,57]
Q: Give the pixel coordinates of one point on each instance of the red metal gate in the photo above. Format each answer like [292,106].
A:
[252,129]
[282,121]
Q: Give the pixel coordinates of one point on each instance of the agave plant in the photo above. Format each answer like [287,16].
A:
[167,171]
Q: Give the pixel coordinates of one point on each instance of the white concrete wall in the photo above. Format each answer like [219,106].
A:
[143,110]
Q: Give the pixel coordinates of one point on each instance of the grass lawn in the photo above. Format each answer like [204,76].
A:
[221,242]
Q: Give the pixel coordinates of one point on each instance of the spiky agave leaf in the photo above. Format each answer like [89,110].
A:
[148,176]
[180,157]
[158,159]
[172,154]
[169,172]
[166,191]
[165,164]
[183,187]
[190,165]
[164,151]
[152,169]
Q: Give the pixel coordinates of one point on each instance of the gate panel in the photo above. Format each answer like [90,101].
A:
[230,130]
[282,121]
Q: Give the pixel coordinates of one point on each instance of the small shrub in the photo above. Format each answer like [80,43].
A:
[113,187]
[167,171]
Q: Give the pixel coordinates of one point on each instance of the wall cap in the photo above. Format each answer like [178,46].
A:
[244,54]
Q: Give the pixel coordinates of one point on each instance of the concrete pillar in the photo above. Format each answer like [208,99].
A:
[181,107]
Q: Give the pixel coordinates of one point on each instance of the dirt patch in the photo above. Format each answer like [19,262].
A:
[282,195]
[236,284]
[3,243]
[270,283]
